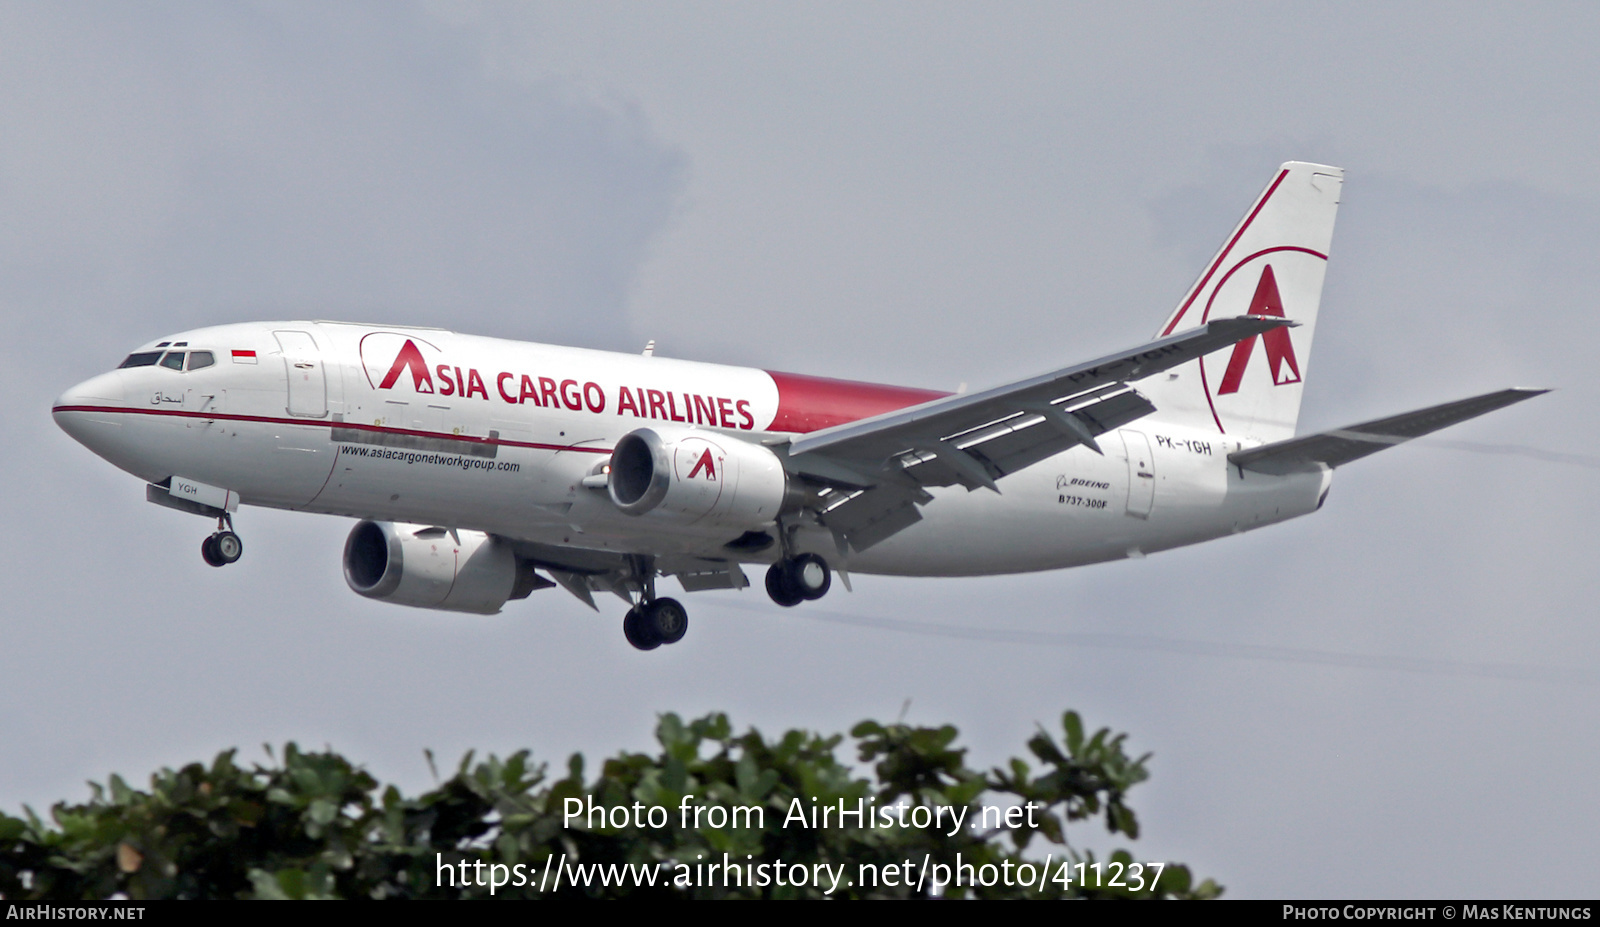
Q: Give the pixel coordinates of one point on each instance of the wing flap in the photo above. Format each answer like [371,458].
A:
[1340,446]
[1024,439]
[862,518]
[709,575]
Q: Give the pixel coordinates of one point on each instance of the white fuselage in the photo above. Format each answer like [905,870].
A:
[431,427]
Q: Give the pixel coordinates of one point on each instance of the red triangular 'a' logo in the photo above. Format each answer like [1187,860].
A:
[1280,350]
[704,463]
[410,359]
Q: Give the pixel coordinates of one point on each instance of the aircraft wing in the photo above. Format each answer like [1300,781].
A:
[1334,448]
[878,469]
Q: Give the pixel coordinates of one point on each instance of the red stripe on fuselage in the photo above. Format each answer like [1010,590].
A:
[812,403]
[319,423]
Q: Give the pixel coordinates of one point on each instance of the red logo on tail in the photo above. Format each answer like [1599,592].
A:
[704,463]
[1280,350]
[409,358]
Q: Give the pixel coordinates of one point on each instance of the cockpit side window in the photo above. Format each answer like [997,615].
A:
[173,360]
[141,359]
[198,359]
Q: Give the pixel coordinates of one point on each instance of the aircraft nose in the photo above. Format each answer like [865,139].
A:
[86,410]
[103,390]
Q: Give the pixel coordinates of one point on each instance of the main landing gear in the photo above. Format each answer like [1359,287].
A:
[648,625]
[223,547]
[798,579]
[651,622]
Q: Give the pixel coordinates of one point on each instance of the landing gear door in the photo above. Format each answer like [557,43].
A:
[1141,473]
[308,385]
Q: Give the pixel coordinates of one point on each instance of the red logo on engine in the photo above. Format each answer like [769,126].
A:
[1280,350]
[704,463]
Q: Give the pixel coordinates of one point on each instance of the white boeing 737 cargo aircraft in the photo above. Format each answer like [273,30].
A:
[482,470]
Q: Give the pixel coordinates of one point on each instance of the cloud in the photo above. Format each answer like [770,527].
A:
[183,164]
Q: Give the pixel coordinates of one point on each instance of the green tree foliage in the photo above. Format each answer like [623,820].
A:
[316,826]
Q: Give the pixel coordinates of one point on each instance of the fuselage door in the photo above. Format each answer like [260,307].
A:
[308,386]
[1141,473]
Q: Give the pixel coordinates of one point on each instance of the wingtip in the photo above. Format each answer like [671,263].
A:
[1261,322]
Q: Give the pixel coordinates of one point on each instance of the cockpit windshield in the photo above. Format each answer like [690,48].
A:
[172,360]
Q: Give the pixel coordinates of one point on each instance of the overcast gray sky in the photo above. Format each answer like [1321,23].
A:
[1391,697]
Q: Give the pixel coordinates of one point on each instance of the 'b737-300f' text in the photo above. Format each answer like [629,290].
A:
[482,470]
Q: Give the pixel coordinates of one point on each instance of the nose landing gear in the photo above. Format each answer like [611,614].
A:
[223,547]
[798,579]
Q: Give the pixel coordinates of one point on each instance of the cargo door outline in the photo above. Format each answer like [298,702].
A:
[308,383]
[1141,473]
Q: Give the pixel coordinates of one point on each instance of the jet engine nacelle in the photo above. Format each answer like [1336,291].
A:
[689,476]
[429,567]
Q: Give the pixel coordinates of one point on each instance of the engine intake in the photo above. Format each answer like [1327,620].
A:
[688,476]
[430,567]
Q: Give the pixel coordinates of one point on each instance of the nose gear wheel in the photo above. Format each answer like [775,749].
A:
[221,549]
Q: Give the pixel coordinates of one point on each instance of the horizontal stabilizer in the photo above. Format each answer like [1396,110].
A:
[1330,449]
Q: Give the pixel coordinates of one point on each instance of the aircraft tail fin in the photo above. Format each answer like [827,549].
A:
[1272,264]
[1330,449]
